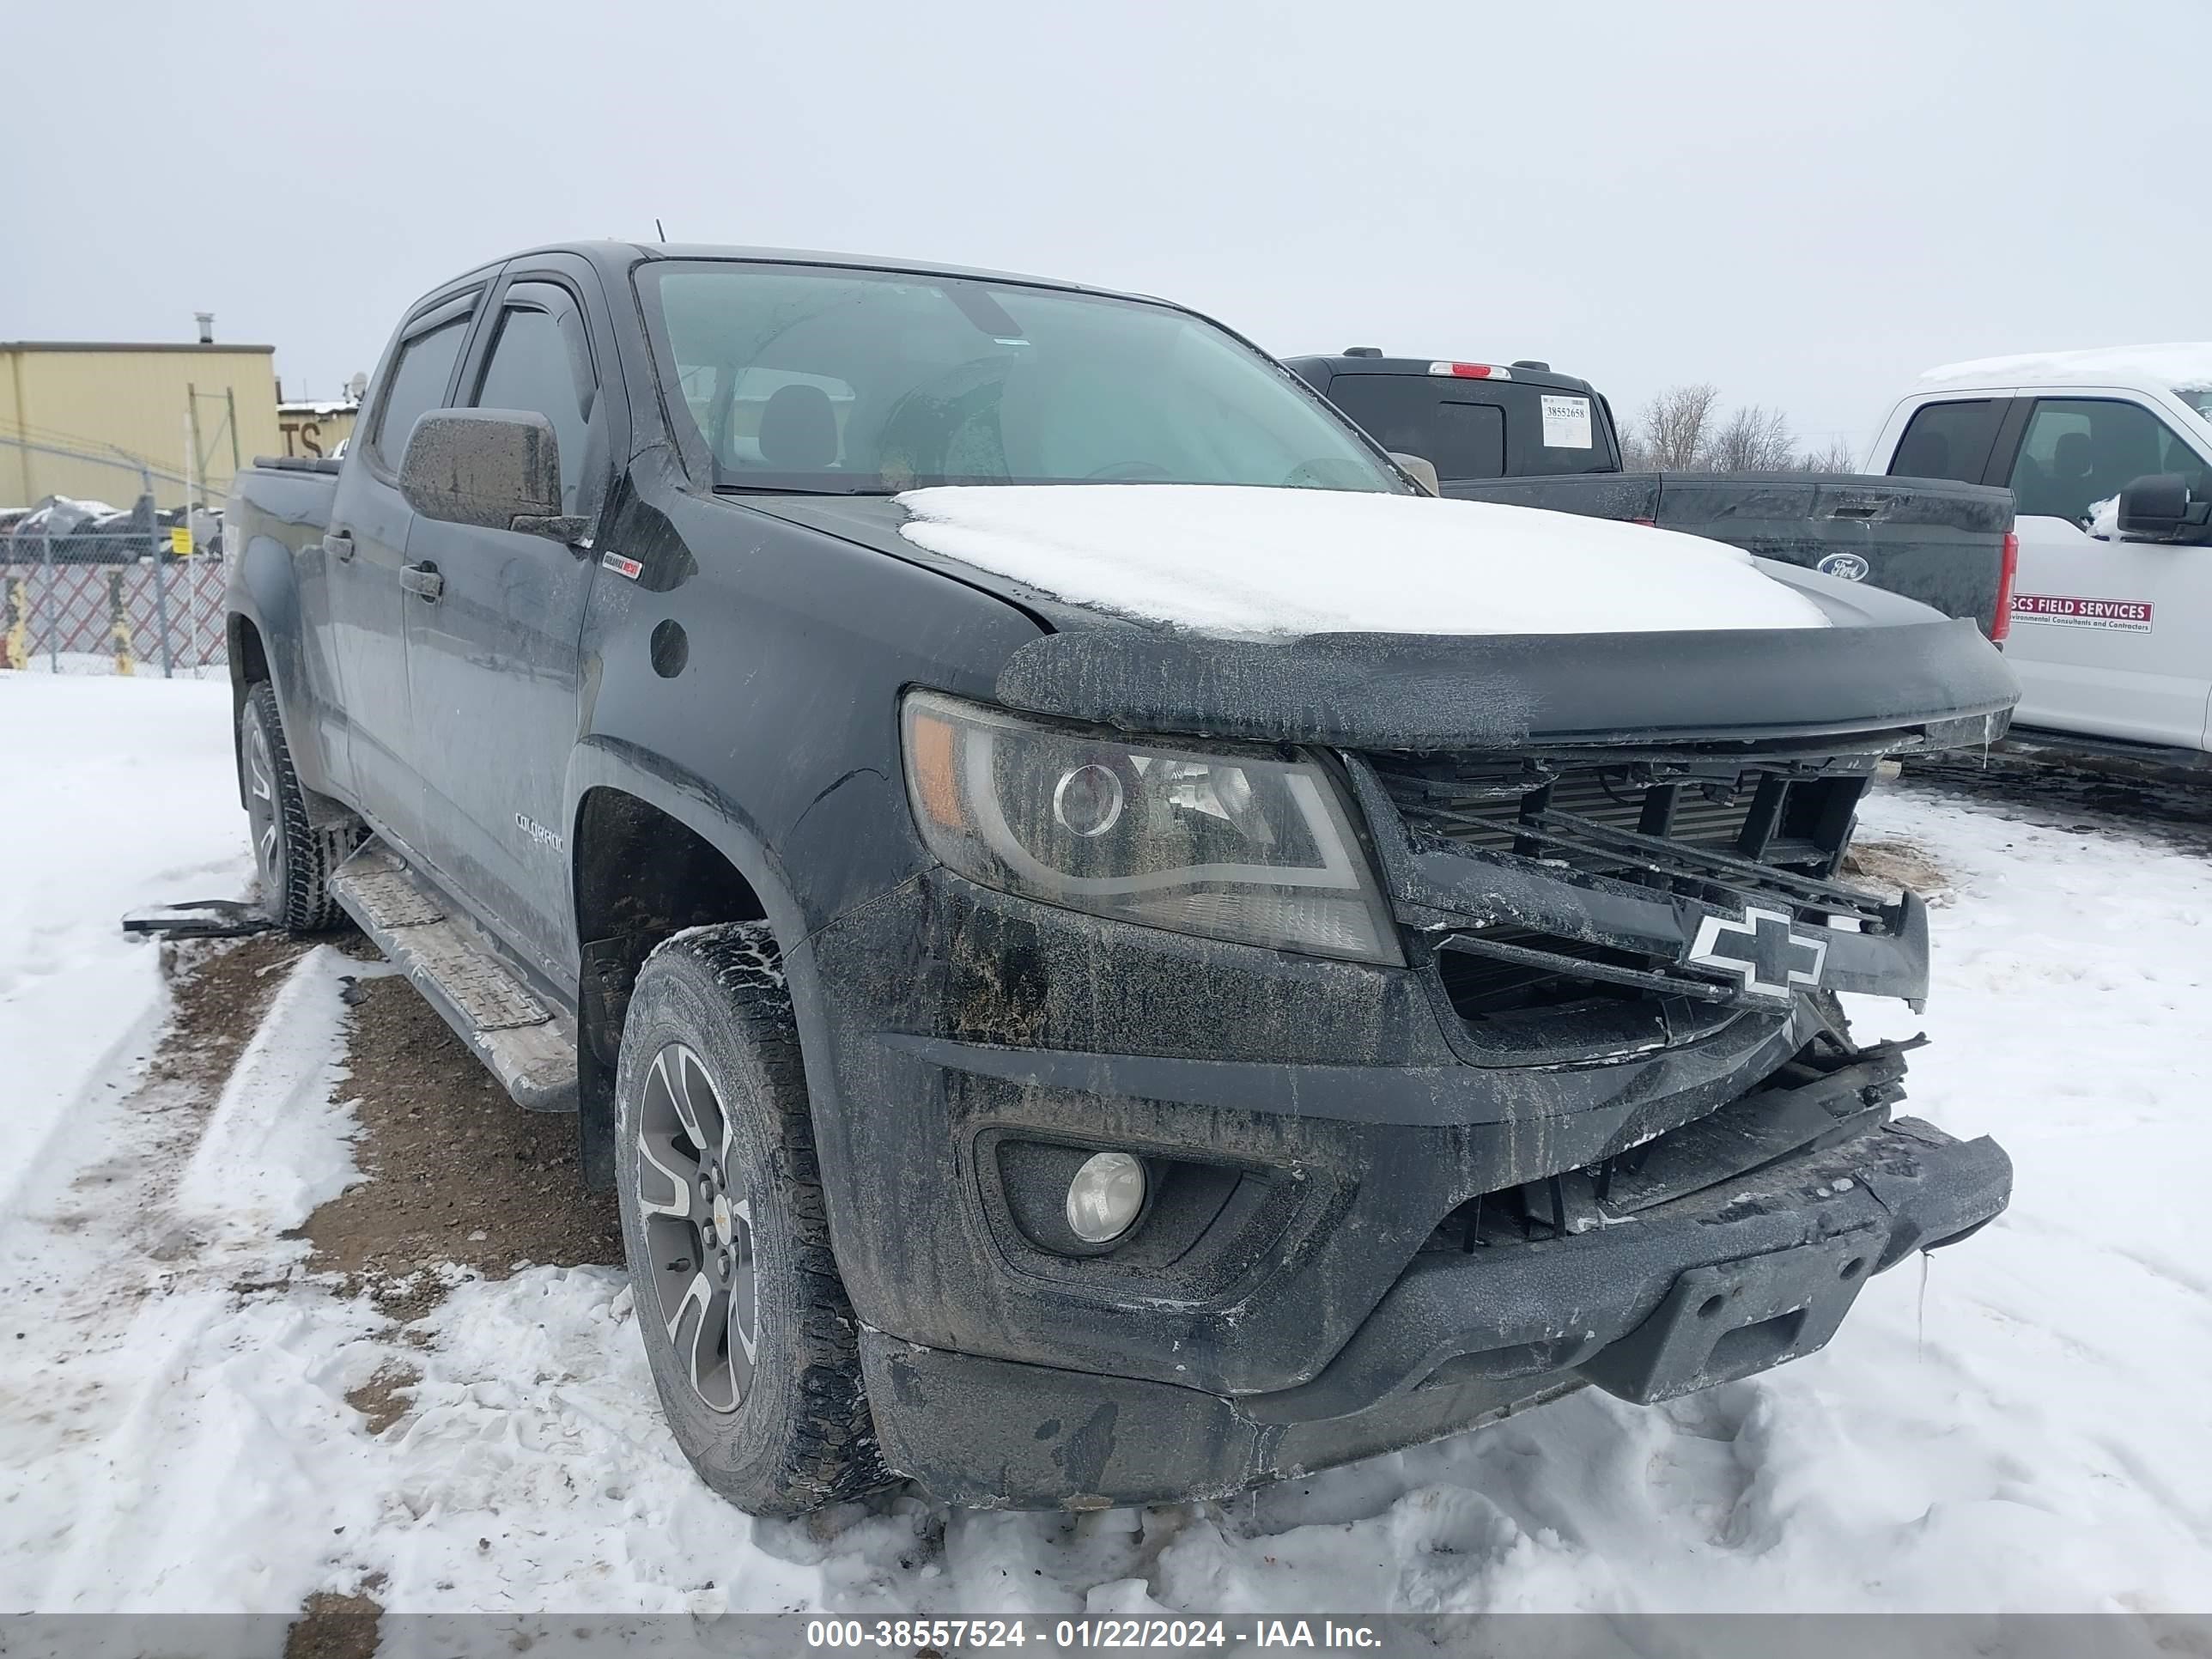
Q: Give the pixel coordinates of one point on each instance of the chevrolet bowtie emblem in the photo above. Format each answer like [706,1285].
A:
[1768,955]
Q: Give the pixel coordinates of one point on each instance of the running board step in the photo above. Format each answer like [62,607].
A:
[527,1045]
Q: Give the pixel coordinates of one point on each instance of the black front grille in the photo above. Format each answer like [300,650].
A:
[1495,983]
[1794,817]
[1708,828]
[1511,970]
[1704,815]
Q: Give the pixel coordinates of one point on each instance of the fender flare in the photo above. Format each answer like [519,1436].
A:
[603,761]
[264,592]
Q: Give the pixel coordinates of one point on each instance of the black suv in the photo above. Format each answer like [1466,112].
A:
[1051,1047]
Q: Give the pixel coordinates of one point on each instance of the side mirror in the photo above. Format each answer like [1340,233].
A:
[1422,472]
[2159,508]
[497,469]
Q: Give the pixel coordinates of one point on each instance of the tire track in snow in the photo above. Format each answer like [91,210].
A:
[141,1386]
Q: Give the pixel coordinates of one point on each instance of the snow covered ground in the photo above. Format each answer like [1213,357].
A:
[2024,1426]
[110,789]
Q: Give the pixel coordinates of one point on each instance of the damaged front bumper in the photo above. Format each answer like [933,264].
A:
[1714,1287]
[1604,1127]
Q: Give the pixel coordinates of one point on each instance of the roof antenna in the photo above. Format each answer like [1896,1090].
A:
[657,231]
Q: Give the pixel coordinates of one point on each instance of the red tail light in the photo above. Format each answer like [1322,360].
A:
[1471,371]
[2001,628]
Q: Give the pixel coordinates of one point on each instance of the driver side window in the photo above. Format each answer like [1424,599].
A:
[541,363]
[2078,451]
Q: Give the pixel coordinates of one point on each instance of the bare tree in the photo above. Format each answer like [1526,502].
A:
[1836,456]
[1675,428]
[1683,429]
[1755,438]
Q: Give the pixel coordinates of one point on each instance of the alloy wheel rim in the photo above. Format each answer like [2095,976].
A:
[261,810]
[701,1272]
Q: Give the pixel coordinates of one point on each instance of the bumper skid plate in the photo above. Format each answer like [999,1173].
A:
[1726,1322]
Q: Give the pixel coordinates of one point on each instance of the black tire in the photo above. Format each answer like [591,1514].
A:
[293,857]
[782,1427]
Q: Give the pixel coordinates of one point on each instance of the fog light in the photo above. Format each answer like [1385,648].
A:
[1105,1196]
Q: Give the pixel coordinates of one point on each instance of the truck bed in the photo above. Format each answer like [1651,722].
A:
[283,497]
[1930,539]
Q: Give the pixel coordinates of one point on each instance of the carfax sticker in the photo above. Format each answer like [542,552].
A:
[621,567]
[2126,616]
[1567,423]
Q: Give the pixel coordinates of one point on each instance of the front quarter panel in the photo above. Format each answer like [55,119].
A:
[757,666]
[745,679]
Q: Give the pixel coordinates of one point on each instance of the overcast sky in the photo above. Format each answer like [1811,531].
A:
[1804,204]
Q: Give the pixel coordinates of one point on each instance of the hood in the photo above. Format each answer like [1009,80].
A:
[1232,563]
[1365,621]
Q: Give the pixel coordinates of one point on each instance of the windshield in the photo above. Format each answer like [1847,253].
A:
[2198,397]
[861,382]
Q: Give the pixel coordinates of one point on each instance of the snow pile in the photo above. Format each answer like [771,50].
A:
[2177,363]
[119,794]
[60,515]
[277,1144]
[1283,563]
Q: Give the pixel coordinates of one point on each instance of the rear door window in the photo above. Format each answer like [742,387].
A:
[1460,437]
[2080,450]
[416,384]
[1949,440]
[1471,430]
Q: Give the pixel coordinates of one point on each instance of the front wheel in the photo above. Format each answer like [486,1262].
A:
[753,1344]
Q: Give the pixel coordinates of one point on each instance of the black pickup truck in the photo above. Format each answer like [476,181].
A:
[1111,947]
[1521,433]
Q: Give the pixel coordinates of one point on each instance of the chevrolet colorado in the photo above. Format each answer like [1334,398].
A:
[1524,433]
[1110,947]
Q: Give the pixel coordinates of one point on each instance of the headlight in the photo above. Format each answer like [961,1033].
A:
[1238,846]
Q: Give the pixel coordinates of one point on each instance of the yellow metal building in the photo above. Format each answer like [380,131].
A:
[314,429]
[153,402]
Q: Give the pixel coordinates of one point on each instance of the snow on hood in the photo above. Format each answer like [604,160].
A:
[2177,363]
[1239,560]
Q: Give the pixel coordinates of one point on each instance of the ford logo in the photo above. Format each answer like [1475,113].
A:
[1844,567]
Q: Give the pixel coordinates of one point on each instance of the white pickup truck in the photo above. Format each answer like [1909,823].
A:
[2108,454]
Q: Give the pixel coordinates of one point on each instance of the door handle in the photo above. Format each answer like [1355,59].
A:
[339,544]
[421,579]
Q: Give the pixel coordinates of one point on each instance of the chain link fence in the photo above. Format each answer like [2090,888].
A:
[89,588]
[161,615]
